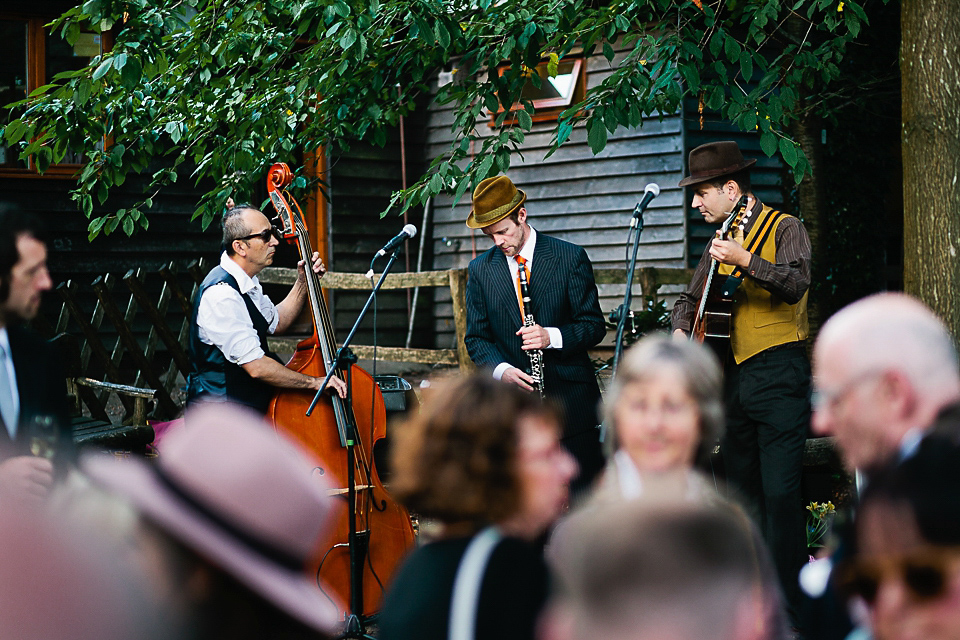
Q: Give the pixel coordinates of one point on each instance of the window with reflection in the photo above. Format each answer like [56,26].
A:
[33,57]
[554,94]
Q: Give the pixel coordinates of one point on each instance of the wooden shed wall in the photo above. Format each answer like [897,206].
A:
[577,197]
[361,183]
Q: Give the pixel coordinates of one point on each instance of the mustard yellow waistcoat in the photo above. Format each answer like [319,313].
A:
[760,319]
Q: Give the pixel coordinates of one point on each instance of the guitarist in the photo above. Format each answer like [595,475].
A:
[767,373]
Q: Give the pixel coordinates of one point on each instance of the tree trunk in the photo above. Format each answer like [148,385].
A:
[807,132]
[930,72]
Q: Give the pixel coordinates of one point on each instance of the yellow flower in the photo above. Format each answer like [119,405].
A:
[840,7]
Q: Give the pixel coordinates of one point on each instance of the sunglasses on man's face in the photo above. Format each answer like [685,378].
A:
[926,574]
[264,235]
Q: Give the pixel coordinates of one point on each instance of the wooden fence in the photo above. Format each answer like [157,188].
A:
[147,345]
[649,278]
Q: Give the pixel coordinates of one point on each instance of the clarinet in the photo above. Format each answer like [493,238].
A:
[536,355]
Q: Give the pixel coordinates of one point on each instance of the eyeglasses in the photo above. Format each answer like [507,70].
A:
[824,399]
[264,235]
[925,573]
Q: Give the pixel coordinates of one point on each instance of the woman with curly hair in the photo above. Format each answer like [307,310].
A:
[483,459]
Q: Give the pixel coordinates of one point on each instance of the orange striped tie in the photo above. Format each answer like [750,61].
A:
[522,264]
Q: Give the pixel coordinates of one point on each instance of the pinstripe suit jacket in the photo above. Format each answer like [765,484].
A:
[563,294]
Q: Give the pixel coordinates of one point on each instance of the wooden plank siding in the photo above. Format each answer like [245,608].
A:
[576,196]
[362,181]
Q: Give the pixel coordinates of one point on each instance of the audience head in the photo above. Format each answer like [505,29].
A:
[23,266]
[883,365]
[907,561]
[238,511]
[58,582]
[480,452]
[665,406]
[642,570]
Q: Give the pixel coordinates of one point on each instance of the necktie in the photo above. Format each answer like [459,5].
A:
[7,409]
[522,264]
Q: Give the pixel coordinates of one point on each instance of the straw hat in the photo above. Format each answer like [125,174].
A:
[715,159]
[242,496]
[493,200]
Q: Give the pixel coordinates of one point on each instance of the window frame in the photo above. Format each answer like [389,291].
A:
[549,109]
[36,77]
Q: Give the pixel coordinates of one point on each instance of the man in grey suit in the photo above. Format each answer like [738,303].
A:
[564,304]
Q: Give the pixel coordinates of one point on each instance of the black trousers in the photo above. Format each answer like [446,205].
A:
[768,417]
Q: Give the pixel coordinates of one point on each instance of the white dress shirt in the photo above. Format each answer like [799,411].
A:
[223,319]
[556,338]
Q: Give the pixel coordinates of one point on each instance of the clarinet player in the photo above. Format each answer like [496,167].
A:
[563,305]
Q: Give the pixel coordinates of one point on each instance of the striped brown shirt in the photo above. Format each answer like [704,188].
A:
[788,279]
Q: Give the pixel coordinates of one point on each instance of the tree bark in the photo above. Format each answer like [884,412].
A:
[930,72]
[806,131]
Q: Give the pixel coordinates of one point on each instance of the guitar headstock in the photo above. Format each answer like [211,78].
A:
[279,177]
[737,219]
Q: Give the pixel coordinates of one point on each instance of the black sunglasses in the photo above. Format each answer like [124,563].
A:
[925,574]
[264,235]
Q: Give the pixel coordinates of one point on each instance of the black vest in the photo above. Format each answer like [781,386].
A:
[211,374]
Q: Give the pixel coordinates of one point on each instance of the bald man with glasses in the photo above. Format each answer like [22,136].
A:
[232,318]
[885,367]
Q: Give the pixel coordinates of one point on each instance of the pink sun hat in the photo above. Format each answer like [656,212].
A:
[241,495]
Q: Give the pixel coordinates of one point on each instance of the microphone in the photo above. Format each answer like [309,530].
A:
[408,231]
[651,191]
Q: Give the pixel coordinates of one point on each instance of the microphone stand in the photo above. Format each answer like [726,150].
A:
[358,545]
[624,309]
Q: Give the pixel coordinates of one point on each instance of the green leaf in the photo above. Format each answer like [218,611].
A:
[436,183]
[82,93]
[128,225]
[768,143]
[563,132]
[131,74]
[103,69]
[746,65]
[596,135]
[443,36]
[524,119]
[485,165]
[789,151]
[732,48]
[608,51]
[42,89]
[348,38]
[119,60]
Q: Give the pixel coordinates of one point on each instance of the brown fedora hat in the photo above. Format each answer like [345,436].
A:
[715,159]
[493,200]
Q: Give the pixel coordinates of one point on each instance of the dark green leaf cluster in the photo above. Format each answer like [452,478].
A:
[217,90]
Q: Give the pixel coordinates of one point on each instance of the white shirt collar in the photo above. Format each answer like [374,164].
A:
[245,282]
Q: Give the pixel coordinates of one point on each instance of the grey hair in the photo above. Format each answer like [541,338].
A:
[635,568]
[234,227]
[697,365]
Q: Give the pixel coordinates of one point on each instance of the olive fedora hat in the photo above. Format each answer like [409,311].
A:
[493,200]
[715,159]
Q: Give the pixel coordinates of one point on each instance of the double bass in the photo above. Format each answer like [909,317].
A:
[373,532]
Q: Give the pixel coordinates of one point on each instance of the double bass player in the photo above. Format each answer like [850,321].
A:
[232,318]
